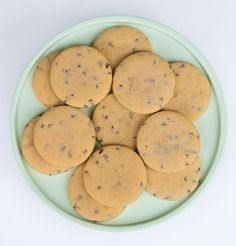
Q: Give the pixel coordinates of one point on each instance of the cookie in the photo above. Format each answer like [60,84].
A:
[192,92]
[81,76]
[32,156]
[41,82]
[168,142]
[114,124]
[143,83]
[84,204]
[115,176]
[118,42]
[64,136]
[174,186]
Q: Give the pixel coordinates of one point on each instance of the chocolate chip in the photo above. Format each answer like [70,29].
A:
[120,85]
[79,197]
[97,162]
[42,126]
[151,80]
[96,211]
[131,115]
[176,74]
[105,157]
[100,151]
[189,191]
[78,65]
[97,128]
[85,106]
[103,106]
[86,172]
[69,155]
[163,124]
[162,167]
[185,178]
[154,62]
[72,115]
[136,39]
[85,72]
[165,75]
[118,183]
[63,148]
[117,148]
[105,117]
[154,194]
[66,82]
[50,125]
[97,86]
[85,151]
[110,44]
[107,65]
[161,99]
[99,187]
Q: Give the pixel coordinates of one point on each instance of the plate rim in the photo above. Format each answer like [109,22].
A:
[130,20]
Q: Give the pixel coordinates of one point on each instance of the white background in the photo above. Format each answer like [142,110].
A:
[24,27]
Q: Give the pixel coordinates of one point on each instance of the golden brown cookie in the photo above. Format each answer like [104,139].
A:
[81,76]
[64,136]
[192,92]
[32,156]
[114,124]
[118,42]
[84,204]
[115,176]
[143,83]
[174,186]
[41,82]
[168,142]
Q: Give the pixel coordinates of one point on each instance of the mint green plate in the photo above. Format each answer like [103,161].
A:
[172,46]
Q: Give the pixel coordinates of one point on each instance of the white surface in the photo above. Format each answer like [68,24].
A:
[25,26]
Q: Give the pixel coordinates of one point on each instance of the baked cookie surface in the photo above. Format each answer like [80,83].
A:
[116,43]
[115,176]
[41,81]
[168,142]
[84,204]
[143,83]
[192,91]
[174,186]
[81,76]
[64,136]
[114,124]
[31,155]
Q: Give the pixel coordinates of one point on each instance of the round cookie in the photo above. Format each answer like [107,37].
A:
[192,92]
[114,124]
[84,204]
[143,83]
[41,82]
[174,186]
[115,176]
[64,136]
[118,42]
[168,142]
[32,156]
[81,76]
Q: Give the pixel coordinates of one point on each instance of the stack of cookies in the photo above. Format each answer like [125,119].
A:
[143,122]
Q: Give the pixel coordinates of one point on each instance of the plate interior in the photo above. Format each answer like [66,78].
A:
[146,208]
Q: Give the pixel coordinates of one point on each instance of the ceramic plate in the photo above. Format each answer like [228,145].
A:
[170,45]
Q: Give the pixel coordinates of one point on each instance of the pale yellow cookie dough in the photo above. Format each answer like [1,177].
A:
[118,42]
[115,176]
[174,186]
[168,142]
[64,136]
[84,204]
[143,83]
[114,124]
[192,91]
[41,82]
